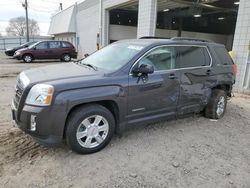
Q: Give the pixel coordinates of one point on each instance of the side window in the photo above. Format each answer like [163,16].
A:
[42,45]
[66,45]
[190,56]
[54,44]
[162,58]
[223,55]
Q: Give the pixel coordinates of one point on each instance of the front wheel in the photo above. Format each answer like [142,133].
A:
[89,129]
[27,58]
[217,105]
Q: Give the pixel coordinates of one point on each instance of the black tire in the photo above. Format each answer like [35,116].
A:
[211,110]
[27,58]
[66,58]
[74,122]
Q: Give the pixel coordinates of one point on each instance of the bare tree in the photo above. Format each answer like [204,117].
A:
[17,27]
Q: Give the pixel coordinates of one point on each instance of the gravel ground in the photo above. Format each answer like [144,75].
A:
[189,152]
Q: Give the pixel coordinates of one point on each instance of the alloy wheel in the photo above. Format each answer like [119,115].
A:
[92,131]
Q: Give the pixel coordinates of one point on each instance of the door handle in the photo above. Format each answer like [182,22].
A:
[172,76]
[209,72]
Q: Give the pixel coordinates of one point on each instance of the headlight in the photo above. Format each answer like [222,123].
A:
[40,95]
[17,53]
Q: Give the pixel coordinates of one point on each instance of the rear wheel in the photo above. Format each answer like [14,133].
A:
[89,129]
[27,58]
[217,105]
[66,57]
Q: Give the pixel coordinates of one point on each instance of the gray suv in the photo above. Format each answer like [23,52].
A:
[127,83]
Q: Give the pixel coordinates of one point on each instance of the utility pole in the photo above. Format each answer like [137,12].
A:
[25,5]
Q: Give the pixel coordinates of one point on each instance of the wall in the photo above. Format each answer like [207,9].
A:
[87,26]
[119,32]
[240,46]
[71,37]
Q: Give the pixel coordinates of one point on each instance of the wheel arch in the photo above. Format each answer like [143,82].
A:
[226,87]
[111,105]
[28,54]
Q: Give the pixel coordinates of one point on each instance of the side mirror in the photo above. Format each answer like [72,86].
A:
[34,48]
[144,69]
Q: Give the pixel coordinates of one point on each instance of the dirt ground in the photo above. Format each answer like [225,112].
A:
[189,152]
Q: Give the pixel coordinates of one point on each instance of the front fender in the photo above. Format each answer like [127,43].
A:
[67,100]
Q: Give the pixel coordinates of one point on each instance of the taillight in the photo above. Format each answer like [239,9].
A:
[235,69]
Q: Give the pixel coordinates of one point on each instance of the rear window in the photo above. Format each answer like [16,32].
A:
[191,56]
[66,45]
[223,55]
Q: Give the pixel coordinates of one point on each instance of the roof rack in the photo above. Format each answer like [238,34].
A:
[190,39]
[152,37]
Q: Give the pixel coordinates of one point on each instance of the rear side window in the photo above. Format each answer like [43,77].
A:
[55,44]
[190,56]
[66,45]
[223,55]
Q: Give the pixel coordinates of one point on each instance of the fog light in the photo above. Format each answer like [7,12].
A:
[33,123]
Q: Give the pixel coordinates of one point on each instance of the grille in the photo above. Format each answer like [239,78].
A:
[18,92]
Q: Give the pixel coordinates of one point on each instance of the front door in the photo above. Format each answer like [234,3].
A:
[41,50]
[155,95]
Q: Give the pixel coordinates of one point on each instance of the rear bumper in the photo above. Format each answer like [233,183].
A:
[74,55]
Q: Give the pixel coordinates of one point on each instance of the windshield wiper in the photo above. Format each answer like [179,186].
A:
[89,65]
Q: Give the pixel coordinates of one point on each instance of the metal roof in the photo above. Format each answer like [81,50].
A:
[63,22]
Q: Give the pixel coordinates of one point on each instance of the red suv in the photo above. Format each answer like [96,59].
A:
[47,50]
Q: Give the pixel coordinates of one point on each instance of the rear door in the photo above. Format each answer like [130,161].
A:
[55,49]
[194,65]
[154,96]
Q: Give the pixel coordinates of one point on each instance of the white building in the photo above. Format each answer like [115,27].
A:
[223,21]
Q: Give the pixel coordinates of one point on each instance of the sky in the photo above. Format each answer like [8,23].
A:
[40,10]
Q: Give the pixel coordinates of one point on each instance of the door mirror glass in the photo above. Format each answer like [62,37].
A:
[144,69]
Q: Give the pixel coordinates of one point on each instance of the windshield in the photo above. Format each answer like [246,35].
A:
[32,45]
[113,57]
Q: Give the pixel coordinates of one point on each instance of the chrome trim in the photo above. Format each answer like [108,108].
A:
[24,79]
[160,71]
[138,109]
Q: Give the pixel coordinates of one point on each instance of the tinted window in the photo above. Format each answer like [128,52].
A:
[54,44]
[42,45]
[162,58]
[66,45]
[223,56]
[190,56]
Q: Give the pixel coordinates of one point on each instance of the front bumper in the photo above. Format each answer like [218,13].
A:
[49,131]
[9,53]
[19,57]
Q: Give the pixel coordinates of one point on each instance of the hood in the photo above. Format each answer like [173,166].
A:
[22,49]
[15,48]
[59,72]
